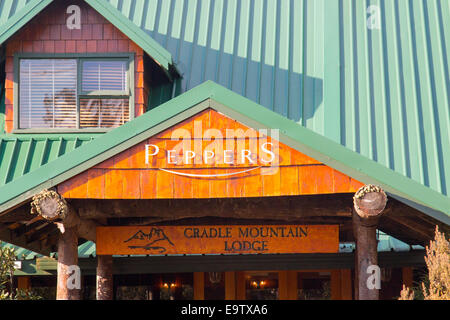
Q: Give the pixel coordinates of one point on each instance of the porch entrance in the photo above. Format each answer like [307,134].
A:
[237,285]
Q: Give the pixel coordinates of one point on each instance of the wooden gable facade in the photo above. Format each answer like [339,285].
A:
[128,176]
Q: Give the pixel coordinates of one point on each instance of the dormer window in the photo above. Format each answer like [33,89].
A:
[79,93]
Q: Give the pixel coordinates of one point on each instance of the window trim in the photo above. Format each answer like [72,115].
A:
[101,93]
[128,56]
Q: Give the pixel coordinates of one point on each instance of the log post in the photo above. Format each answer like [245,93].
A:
[104,277]
[68,289]
[53,207]
[369,202]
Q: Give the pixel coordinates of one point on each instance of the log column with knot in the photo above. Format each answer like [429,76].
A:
[54,208]
[368,206]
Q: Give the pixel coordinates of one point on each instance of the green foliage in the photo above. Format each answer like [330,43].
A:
[19,294]
[7,258]
[7,290]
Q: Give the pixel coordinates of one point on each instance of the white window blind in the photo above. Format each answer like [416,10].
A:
[48,93]
[104,76]
[103,113]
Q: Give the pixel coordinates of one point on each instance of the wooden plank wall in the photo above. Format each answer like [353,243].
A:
[126,176]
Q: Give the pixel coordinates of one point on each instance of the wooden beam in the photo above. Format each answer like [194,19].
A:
[401,232]
[416,227]
[42,233]
[18,214]
[230,285]
[13,208]
[26,229]
[287,208]
[104,277]
[256,262]
[22,241]
[199,286]
[410,225]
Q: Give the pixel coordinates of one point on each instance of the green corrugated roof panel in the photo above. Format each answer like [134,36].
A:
[21,154]
[21,253]
[86,250]
[385,243]
[384,93]
[14,14]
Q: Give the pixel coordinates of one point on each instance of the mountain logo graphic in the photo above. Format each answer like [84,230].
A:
[156,240]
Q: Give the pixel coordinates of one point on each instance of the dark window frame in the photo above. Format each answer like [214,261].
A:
[129,57]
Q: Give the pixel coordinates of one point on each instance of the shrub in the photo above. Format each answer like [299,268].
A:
[436,286]
[7,290]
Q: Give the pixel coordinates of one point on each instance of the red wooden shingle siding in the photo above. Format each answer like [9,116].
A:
[126,176]
[48,33]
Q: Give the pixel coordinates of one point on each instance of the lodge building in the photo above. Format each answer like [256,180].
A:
[212,149]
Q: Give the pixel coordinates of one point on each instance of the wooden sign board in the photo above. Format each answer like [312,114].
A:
[217,239]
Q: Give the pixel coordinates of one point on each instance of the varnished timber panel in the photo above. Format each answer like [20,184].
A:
[127,176]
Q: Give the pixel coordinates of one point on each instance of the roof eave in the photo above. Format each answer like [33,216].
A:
[21,18]
[159,54]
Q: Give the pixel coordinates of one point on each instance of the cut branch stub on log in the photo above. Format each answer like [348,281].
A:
[369,201]
[53,207]
[50,205]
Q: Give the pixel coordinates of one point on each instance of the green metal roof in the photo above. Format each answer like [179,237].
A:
[21,154]
[14,14]
[21,253]
[212,95]
[383,93]
[85,250]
